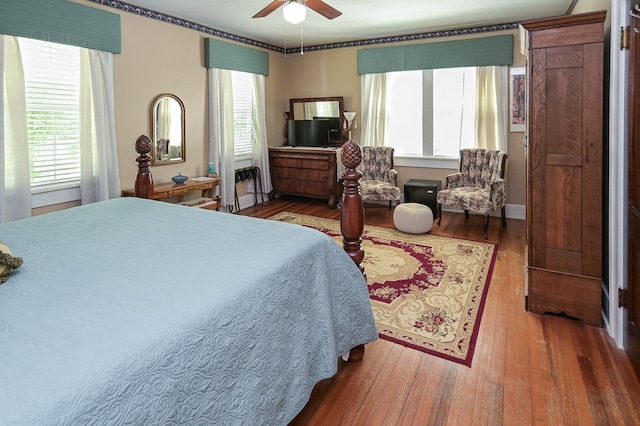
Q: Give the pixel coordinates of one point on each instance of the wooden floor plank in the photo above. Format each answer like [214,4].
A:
[419,401]
[528,369]
[399,385]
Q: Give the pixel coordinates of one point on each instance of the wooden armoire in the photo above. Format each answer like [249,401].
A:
[565,66]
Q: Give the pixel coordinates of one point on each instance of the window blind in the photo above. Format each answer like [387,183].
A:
[243,114]
[52,85]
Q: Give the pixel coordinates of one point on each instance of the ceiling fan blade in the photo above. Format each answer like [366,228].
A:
[270,8]
[323,9]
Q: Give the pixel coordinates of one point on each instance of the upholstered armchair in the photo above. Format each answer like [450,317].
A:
[479,186]
[379,178]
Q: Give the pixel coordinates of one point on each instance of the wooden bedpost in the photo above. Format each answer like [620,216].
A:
[352,216]
[144,180]
[352,209]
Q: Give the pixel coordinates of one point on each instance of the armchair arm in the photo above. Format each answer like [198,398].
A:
[393,177]
[454,180]
[498,193]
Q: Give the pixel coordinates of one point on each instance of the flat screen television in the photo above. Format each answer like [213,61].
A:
[318,132]
[334,127]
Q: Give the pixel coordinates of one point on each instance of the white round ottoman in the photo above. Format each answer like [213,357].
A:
[413,218]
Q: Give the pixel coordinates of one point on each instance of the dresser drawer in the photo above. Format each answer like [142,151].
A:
[302,188]
[308,175]
[320,163]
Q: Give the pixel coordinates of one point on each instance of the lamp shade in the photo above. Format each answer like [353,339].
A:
[349,115]
[294,12]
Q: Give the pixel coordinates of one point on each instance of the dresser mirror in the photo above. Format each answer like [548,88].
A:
[167,130]
[314,108]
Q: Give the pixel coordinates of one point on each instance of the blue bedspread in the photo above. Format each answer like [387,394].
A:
[133,311]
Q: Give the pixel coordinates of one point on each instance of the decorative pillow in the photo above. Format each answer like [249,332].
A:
[7,262]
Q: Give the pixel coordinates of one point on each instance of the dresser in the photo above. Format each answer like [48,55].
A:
[304,172]
[564,163]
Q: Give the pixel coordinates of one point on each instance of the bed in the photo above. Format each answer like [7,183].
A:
[133,311]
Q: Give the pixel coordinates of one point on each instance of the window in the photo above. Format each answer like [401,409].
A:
[243,114]
[52,86]
[431,113]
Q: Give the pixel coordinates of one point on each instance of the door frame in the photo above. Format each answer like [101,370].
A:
[618,169]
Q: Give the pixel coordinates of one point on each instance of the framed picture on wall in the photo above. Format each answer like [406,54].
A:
[517,92]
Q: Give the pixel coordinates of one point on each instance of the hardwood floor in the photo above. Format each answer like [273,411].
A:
[527,368]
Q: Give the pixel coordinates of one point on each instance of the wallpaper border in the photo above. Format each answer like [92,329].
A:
[126,7]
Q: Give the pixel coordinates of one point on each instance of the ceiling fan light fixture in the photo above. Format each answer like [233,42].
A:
[294,12]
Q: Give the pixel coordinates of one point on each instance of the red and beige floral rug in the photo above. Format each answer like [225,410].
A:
[427,292]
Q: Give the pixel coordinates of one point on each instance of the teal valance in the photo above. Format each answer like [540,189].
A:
[229,56]
[61,21]
[471,52]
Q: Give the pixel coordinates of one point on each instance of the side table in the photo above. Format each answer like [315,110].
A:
[204,184]
[423,192]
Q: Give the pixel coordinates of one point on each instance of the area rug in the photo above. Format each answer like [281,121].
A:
[427,292]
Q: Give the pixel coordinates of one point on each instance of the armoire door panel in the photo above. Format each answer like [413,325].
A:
[563,210]
[564,113]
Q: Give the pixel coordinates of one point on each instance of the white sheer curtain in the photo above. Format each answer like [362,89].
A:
[374,90]
[98,149]
[15,183]
[259,131]
[99,172]
[221,131]
[492,107]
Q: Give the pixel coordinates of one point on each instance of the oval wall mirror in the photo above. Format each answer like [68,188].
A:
[167,130]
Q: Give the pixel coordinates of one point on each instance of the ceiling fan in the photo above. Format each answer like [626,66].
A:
[316,5]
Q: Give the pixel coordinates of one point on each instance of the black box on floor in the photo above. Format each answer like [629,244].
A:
[423,192]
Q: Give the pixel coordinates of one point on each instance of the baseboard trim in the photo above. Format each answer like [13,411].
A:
[512,211]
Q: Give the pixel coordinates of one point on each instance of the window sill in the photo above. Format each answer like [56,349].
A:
[43,197]
[426,162]
[241,163]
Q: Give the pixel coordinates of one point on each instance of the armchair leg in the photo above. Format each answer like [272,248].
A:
[466,213]
[486,226]
[390,201]
[439,212]
[504,218]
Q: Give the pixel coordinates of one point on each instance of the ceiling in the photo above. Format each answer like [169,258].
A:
[360,19]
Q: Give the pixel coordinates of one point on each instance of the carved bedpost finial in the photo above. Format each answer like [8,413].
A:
[144,180]
[352,209]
